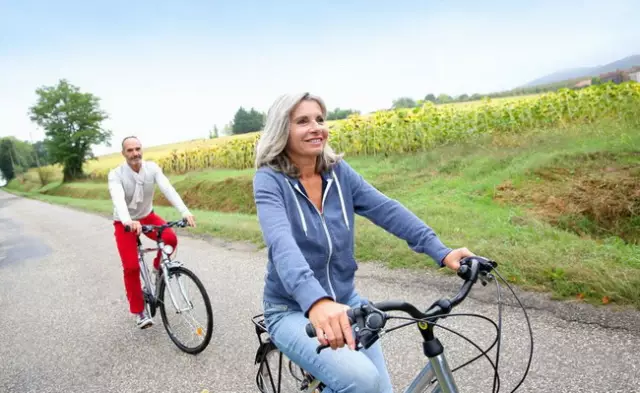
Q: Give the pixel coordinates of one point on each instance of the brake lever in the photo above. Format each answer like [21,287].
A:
[321,347]
[360,325]
[485,278]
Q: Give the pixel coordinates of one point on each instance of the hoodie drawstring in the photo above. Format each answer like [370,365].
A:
[304,223]
[342,205]
[344,210]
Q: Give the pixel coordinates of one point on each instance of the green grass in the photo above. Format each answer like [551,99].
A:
[215,190]
[232,226]
[453,190]
[458,190]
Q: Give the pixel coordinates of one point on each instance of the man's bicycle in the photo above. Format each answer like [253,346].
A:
[370,320]
[173,278]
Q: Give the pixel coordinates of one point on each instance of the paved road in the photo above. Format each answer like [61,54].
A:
[65,327]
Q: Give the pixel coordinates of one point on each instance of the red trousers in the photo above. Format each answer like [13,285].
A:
[128,249]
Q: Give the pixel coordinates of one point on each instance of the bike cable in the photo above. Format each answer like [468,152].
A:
[498,339]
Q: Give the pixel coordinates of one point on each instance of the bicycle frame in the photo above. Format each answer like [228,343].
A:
[437,366]
[165,265]
[371,318]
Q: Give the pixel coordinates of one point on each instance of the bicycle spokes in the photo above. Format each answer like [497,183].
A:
[187,318]
[186,299]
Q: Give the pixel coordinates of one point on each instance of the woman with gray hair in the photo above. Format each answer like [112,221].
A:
[306,197]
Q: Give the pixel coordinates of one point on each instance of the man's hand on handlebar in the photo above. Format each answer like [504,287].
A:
[133,226]
[330,318]
[191,221]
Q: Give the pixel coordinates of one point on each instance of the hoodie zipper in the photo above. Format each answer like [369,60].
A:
[326,230]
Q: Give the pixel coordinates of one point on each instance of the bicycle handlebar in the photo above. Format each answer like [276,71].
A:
[372,317]
[148,228]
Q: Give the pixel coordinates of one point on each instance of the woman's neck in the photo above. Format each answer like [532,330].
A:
[306,166]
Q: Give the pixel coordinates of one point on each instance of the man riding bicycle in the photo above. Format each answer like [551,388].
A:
[132,186]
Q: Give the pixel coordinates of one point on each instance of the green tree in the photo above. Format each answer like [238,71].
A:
[7,161]
[214,133]
[227,129]
[40,152]
[430,97]
[444,98]
[72,123]
[404,102]
[24,154]
[338,114]
[247,121]
[19,154]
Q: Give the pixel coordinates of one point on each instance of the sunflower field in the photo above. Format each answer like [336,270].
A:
[421,128]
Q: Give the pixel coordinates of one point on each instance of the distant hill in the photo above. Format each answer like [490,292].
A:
[580,72]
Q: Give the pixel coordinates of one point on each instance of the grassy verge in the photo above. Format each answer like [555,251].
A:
[455,189]
[223,190]
[492,196]
[232,226]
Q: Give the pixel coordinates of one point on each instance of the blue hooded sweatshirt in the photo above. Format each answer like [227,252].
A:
[311,252]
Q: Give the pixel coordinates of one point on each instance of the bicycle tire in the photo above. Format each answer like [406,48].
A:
[207,302]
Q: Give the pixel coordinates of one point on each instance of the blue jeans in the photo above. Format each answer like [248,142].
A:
[343,370]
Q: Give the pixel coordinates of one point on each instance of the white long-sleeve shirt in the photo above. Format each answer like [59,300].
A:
[122,184]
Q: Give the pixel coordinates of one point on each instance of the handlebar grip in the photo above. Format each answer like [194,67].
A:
[311,331]
[470,267]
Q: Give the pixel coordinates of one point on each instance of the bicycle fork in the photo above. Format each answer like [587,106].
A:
[165,274]
[179,310]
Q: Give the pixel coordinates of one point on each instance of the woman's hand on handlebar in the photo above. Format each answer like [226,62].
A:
[452,260]
[330,319]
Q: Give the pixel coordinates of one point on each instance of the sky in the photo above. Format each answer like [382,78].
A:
[170,71]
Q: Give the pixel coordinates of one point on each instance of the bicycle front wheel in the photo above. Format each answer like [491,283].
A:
[189,320]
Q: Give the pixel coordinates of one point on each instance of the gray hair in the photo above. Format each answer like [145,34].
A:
[128,137]
[270,149]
